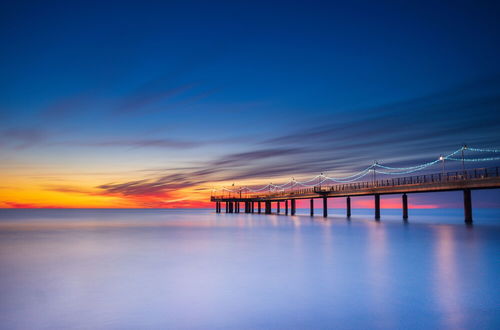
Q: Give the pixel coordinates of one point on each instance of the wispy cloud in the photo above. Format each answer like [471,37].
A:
[244,158]
[159,186]
[19,138]
[406,130]
[69,189]
[401,133]
[139,101]
[166,92]
[156,143]
[67,106]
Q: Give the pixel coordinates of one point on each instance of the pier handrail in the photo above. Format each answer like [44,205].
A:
[453,176]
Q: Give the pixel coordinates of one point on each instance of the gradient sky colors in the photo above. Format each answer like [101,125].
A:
[153,104]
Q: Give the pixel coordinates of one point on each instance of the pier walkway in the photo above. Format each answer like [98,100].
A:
[466,181]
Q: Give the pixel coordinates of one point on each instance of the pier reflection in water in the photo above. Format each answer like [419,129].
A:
[195,269]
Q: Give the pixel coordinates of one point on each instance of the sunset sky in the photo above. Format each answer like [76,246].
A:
[153,104]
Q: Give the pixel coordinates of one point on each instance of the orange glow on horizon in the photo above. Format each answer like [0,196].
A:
[64,191]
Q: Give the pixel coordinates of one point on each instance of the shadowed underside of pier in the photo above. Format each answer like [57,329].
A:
[484,178]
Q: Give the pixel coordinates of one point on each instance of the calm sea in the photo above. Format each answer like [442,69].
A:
[194,269]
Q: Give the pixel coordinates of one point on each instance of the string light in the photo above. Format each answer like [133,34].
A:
[475,159]
[412,169]
[483,150]
[354,177]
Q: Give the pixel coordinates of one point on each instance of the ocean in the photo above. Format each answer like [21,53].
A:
[195,269]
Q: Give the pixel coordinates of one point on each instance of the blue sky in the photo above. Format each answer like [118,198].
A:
[136,91]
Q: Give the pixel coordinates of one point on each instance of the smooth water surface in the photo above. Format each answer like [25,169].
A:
[176,269]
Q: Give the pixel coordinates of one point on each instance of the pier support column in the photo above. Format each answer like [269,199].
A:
[259,207]
[377,207]
[268,207]
[286,206]
[405,207]
[348,206]
[311,204]
[253,206]
[467,206]
[278,207]
[293,207]
[227,207]
[325,207]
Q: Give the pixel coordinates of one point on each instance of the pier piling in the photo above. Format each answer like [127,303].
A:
[405,207]
[348,206]
[268,207]
[467,206]
[325,207]
[377,207]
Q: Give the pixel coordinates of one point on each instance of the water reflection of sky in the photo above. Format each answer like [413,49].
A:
[181,269]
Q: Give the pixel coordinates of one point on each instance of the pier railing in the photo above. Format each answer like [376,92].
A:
[472,174]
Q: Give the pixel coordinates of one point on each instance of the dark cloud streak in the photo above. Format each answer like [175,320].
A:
[157,143]
[403,133]
[20,138]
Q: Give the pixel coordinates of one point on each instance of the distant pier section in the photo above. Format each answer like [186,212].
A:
[285,200]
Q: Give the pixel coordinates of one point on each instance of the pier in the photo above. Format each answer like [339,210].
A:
[466,181]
